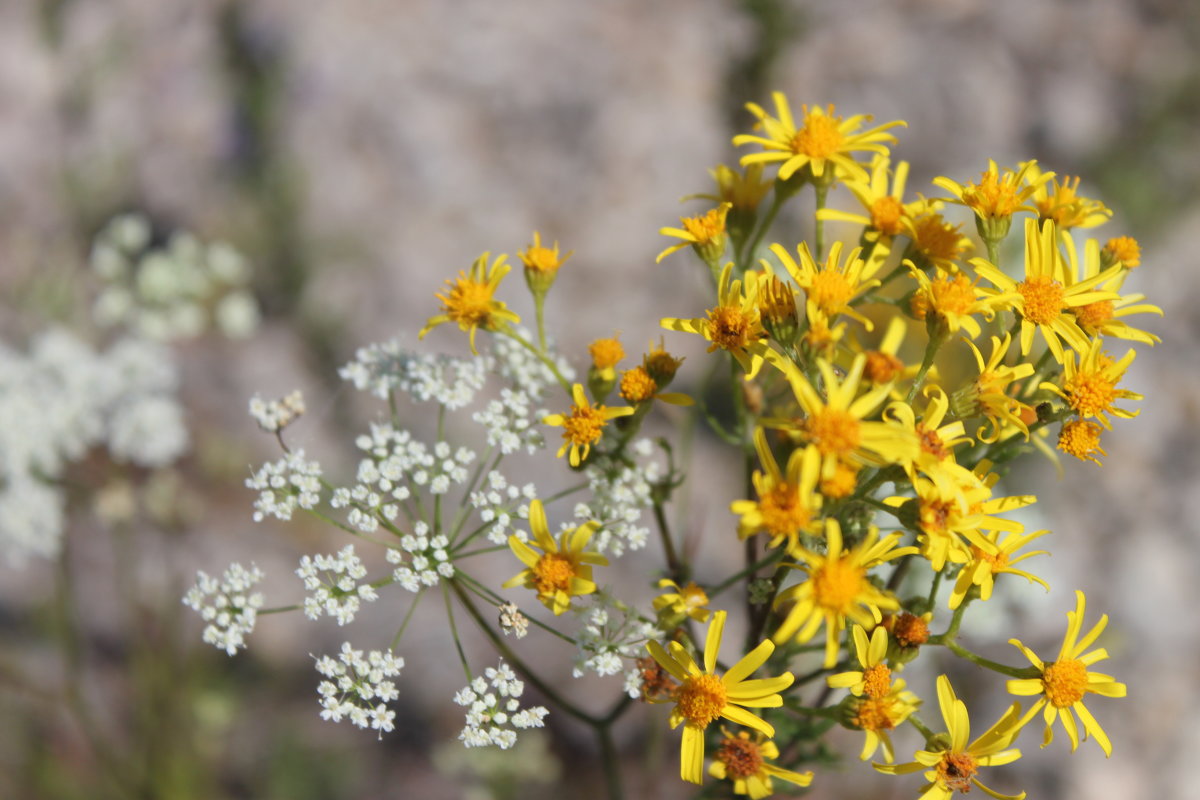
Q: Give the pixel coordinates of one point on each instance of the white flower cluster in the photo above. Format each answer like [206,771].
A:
[334,585]
[618,502]
[428,559]
[228,605]
[358,688]
[275,415]
[500,504]
[397,462]
[510,424]
[522,368]
[60,400]
[492,703]
[171,293]
[605,646]
[287,484]
[387,367]
[513,622]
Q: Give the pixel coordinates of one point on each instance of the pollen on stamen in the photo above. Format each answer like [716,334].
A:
[552,573]
[1081,439]
[820,136]
[782,510]
[742,757]
[1090,394]
[728,328]
[956,770]
[585,425]
[834,431]
[1044,299]
[886,215]
[877,681]
[875,714]
[1065,682]
[837,584]
[701,698]
[830,290]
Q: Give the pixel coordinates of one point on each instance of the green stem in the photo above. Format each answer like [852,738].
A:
[407,617]
[1003,669]
[822,190]
[778,199]
[677,570]
[539,308]
[916,722]
[737,576]
[993,252]
[935,343]
[487,595]
[462,657]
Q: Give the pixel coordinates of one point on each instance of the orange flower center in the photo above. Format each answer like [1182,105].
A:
[700,699]
[830,290]
[909,630]
[837,584]
[1124,249]
[877,681]
[552,574]
[1093,315]
[886,215]
[1044,299]
[541,259]
[728,328]
[707,226]
[469,302]
[993,197]
[882,367]
[931,443]
[657,684]
[820,137]
[997,560]
[834,431]
[693,596]
[955,771]
[743,758]
[952,295]
[841,483]
[585,425]
[1065,682]
[875,714]
[637,386]
[935,515]
[936,238]
[782,510]
[606,353]
[1090,393]
[1081,439]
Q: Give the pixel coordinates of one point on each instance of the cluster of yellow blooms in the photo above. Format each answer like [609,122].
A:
[848,428]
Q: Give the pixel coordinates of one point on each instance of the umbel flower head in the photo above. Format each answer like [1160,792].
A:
[703,696]
[1064,682]
[584,425]
[563,569]
[743,760]
[468,299]
[951,763]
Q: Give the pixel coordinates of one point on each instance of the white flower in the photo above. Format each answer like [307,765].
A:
[287,484]
[492,715]
[386,367]
[275,415]
[228,605]
[333,585]
[359,687]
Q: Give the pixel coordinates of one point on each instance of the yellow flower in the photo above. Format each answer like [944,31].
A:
[837,426]
[584,425]
[734,324]
[936,241]
[991,556]
[832,285]
[1103,317]
[874,679]
[541,264]
[935,441]
[952,298]
[837,589]
[703,696]
[1044,298]
[1123,250]
[883,704]
[606,354]
[988,394]
[638,386]
[997,196]
[743,760]
[563,569]
[704,232]
[886,213]
[468,300]
[787,504]
[1082,440]
[1090,386]
[952,766]
[1064,682]
[822,140]
[690,600]
[744,192]
[1061,202]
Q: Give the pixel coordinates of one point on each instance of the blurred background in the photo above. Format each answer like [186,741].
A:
[359,152]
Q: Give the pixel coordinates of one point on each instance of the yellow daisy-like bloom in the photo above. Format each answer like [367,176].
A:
[1062,204]
[541,264]
[690,601]
[1103,318]
[606,354]
[1082,440]
[988,394]
[841,483]
[832,285]
[703,697]
[883,704]
[638,386]
[584,425]
[1064,682]
[883,366]
[468,300]
[1044,299]
[886,213]
[935,441]
[874,679]
[822,335]
[837,426]
[991,556]
[955,763]
[937,242]
[1123,250]
[734,324]
[563,569]
[822,140]
[953,298]
[704,232]
[1090,385]
[997,196]
[743,191]
[837,589]
[787,503]
[743,760]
